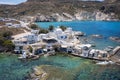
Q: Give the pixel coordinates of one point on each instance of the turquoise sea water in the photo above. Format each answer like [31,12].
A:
[104,28]
[81,69]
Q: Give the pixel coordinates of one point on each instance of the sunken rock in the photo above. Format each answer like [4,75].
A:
[97,36]
[78,33]
[48,72]
[38,74]
[116,39]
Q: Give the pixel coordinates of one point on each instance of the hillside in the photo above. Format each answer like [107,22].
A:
[47,7]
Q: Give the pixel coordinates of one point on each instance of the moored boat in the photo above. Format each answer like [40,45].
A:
[105,63]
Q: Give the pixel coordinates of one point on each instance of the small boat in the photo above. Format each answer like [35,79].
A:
[32,57]
[110,47]
[105,63]
[46,55]
[21,58]
[35,57]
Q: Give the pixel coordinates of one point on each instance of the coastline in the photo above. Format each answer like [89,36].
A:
[75,21]
[79,20]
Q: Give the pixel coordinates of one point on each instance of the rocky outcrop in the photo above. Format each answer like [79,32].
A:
[48,72]
[110,1]
[54,17]
[96,15]
[38,74]
[78,33]
[96,36]
[80,15]
[116,39]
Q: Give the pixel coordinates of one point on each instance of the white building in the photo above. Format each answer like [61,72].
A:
[84,49]
[8,24]
[11,25]
[35,32]
[19,44]
[24,39]
[32,38]
[60,34]
[42,36]
[68,30]
[16,25]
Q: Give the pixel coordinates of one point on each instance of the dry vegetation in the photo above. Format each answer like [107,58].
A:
[32,7]
[14,31]
[13,22]
[6,45]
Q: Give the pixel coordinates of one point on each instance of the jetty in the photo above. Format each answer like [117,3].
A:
[115,57]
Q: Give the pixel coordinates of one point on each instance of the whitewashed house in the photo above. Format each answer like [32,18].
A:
[68,30]
[60,34]
[16,25]
[93,53]
[58,31]
[8,24]
[35,32]
[102,54]
[24,39]
[98,54]
[32,38]
[85,49]
[19,44]
[42,36]
[11,25]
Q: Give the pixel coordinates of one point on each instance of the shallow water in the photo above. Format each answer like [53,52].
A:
[78,68]
[104,28]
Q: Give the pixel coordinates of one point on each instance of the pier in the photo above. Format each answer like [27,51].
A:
[115,57]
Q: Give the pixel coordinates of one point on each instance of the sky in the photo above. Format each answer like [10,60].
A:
[11,1]
[19,1]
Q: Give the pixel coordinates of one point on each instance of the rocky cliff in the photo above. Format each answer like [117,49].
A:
[80,15]
[96,15]
[59,10]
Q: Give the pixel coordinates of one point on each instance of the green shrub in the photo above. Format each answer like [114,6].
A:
[63,28]
[8,45]
[51,28]
[30,49]
[43,31]
[7,34]
[1,40]
[34,26]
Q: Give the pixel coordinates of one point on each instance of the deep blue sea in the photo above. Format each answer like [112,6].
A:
[104,28]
